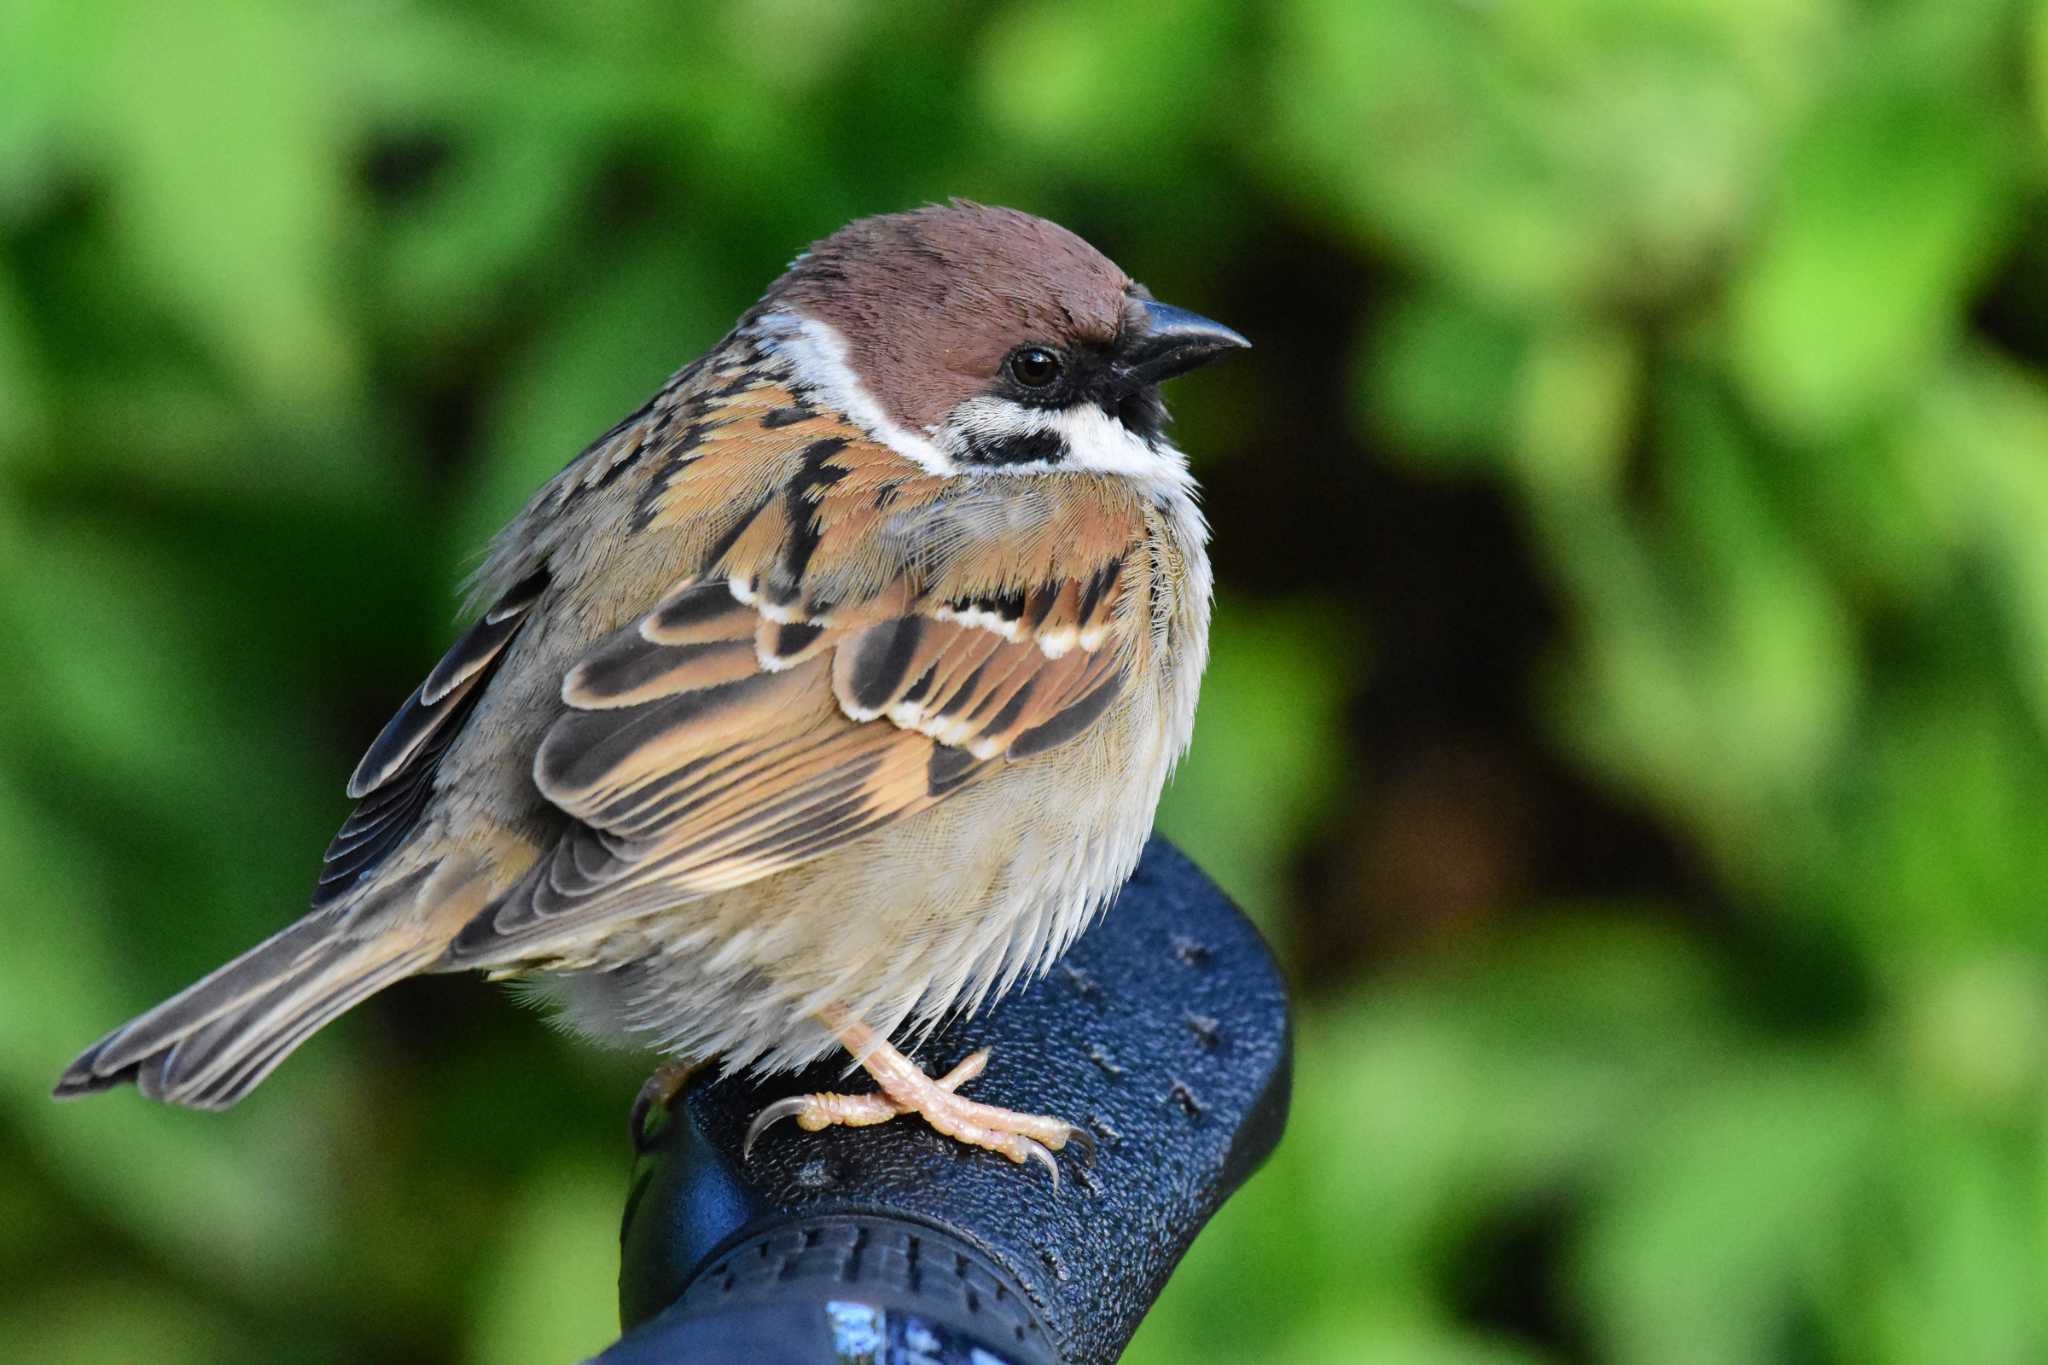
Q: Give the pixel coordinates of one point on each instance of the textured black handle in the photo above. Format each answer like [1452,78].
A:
[1164,1031]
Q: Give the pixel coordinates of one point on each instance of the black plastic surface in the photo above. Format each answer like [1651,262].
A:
[1164,1031]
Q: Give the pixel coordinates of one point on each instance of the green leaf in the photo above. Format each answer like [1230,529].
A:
[1979,444]
[1537,152]
[1936,856]
[605,354]
[1716,671]
[235,1201]
[1439,376]
[1882,220]
[225,151]
[1697,1254]
[45,107]
[1263,762]
[549,1290]
[24,397]
[1577,406]
[119,1317]
[1055,88]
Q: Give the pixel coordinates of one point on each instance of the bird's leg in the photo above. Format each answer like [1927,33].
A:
[905,1089]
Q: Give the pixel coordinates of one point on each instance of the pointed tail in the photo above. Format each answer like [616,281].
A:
[210,1044]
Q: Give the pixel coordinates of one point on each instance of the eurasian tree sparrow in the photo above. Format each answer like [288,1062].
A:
[832,690]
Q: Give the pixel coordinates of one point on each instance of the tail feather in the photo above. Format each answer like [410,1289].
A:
[198,1004]
[209,1045]
[140,1045]
[216,1066]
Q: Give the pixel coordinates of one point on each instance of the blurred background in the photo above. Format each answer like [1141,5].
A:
[1629,715]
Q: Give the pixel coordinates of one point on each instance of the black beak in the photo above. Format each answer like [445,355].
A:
[1171,342]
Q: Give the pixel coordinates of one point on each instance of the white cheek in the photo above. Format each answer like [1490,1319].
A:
[817,356]
[1100,443]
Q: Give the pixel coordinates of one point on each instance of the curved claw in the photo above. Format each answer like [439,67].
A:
[1083,1143]
[1038,1152]
[659,1089]
[768,1118]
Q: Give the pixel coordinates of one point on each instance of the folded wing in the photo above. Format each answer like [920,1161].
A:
[785,701]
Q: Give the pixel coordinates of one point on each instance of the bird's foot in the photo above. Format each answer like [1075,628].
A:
[908,1090]
[827,1110]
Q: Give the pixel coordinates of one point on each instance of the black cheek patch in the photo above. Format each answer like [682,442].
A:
[1047,447]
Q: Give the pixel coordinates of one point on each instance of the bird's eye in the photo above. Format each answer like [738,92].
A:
[1034,366]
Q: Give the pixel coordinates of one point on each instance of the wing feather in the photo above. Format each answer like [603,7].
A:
[396,775]
[856,650]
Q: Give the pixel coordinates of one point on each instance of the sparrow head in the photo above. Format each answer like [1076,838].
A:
[979,339]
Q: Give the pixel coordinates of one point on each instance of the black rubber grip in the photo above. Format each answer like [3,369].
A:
[847,1287]
[1164,1032]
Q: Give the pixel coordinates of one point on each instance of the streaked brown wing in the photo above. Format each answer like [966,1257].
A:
[396,775]
[763,714]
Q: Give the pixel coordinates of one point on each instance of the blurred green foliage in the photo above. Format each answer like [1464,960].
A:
[1630,702]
